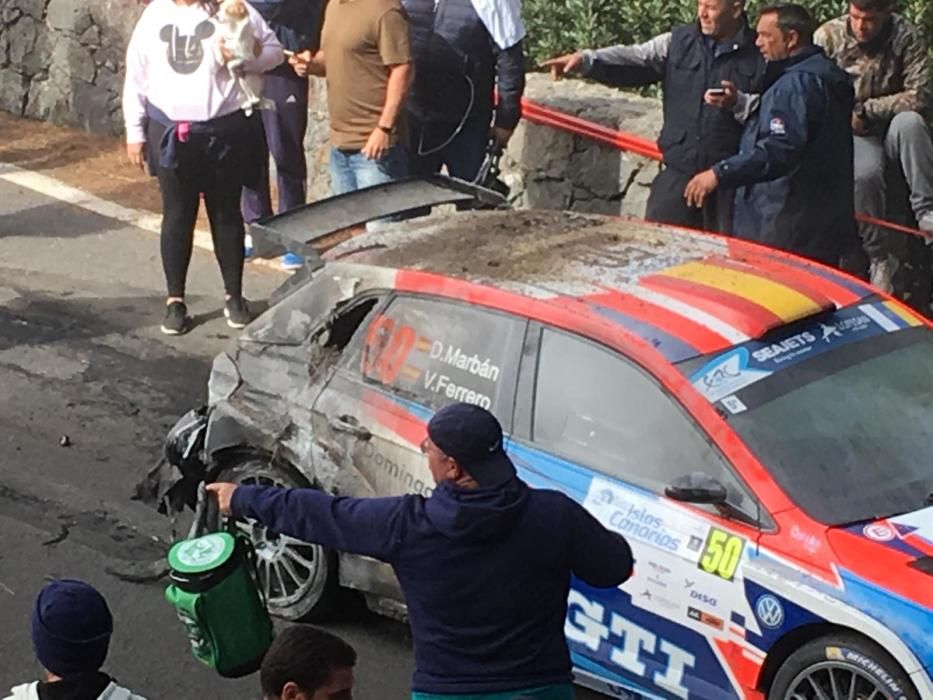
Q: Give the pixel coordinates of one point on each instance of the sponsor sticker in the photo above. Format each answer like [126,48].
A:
[705,618]
[769,610]
[734,405]
[726,375]
[644,520]
[879,532]
[810,542]
[722,553]
[723,377]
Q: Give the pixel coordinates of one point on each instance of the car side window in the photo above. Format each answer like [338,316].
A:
[437,352]
[596,408]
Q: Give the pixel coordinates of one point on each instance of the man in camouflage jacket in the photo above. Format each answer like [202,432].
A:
[890,66]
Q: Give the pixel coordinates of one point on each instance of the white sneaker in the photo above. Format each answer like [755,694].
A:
[882,272]
[925,224]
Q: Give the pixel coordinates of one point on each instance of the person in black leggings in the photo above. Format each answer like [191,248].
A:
[184,120]
[198,171]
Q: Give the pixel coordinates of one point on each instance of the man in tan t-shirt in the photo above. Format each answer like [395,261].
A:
[366,57]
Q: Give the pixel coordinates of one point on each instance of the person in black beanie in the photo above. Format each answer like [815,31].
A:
[71,628]
[486,602]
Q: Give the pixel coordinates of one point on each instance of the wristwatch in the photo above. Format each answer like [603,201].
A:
[387,129]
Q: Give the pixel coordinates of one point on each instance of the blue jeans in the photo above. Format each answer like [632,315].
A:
[463,155]
[351,170]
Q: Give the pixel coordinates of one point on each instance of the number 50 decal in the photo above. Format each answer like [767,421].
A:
[722,553]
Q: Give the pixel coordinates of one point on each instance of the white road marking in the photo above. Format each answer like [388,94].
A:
[145,220]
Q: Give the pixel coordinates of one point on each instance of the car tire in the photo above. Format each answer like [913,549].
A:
[834,663]
[298,579]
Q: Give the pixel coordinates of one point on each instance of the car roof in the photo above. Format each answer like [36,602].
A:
[685,292]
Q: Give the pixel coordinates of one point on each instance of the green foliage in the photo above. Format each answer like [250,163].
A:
[561,26]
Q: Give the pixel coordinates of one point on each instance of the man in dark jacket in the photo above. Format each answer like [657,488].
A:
[689,60]
[484,563]
[463,51]
[794,169]
[297,25]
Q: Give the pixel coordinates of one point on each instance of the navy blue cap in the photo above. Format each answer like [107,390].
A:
[472,436]
[71,628]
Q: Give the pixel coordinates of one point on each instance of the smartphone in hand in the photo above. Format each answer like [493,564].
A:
[716,92]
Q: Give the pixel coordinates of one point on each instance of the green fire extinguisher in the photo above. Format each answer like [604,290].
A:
[215,594]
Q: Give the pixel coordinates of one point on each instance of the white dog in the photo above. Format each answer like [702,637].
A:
[237,36]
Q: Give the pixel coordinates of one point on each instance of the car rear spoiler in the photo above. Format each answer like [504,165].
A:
[298,229]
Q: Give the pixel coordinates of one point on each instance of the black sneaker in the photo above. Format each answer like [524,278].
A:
[176,318]
[237,313]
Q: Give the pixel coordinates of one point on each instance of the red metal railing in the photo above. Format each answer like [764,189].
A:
[539,114]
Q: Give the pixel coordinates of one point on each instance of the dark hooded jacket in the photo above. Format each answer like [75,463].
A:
[459,67]
[794,169]
[694,135]
[296,23]
[485,572]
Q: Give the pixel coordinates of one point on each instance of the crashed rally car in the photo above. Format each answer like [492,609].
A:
[757,426]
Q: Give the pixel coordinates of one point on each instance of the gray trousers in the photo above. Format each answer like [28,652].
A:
[905,152]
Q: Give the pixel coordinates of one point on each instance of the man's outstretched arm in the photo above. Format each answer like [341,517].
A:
[368,526]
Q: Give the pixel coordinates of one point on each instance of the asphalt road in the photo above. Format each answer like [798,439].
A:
[81,356]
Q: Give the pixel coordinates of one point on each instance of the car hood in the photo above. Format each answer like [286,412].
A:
[886,571]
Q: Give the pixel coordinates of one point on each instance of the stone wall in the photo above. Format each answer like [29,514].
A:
[62,60]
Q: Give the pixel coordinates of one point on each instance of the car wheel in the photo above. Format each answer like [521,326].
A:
[298,579]
[841,667]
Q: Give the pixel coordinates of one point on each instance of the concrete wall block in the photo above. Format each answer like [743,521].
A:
[91,103]
[22,38]
[46,101]
[90,37]
[73,59]
[547,193]
[33,8]
[13,89]
[69,16]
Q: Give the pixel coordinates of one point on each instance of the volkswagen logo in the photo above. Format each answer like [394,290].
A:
[770,611]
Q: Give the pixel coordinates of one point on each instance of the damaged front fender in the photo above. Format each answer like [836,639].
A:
[173,482]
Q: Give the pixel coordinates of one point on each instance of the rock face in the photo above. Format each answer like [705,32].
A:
[550,169]
[62,60]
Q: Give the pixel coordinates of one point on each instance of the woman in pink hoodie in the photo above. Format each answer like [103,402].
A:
[184,119]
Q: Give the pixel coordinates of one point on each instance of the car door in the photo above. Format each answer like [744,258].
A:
[598,427]
[417,354]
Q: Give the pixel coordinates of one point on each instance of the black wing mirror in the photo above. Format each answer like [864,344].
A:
[696,488]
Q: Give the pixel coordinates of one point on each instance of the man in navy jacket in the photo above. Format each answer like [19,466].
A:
[464,51]
[794,170]
[484,563]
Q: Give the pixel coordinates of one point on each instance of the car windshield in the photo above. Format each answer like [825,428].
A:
[847,433]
